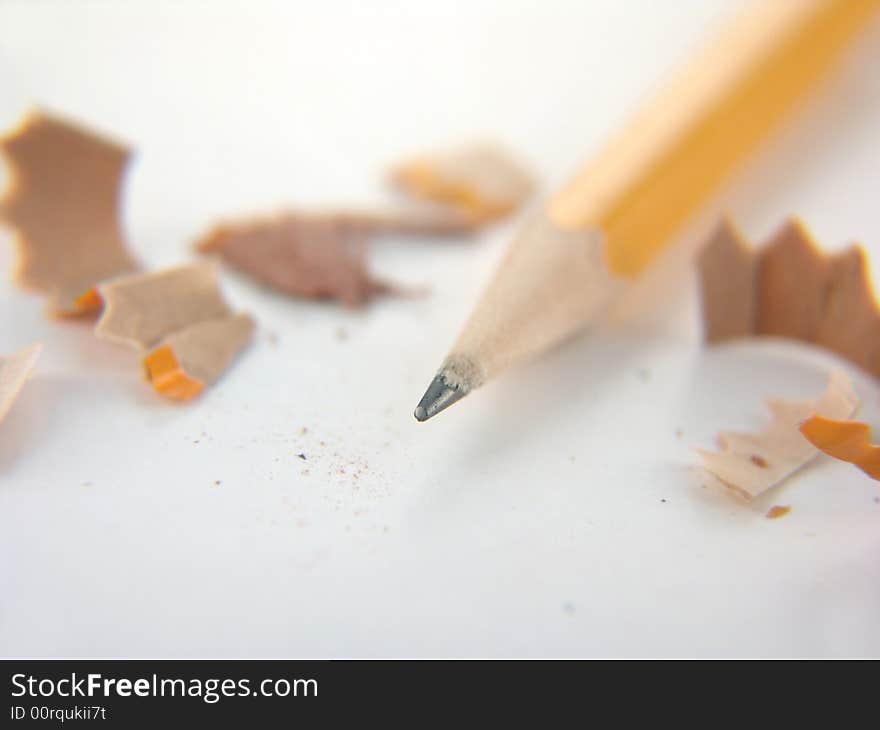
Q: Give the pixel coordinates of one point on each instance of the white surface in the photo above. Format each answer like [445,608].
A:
[528,520]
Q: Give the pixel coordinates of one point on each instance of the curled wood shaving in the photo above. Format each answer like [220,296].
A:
[143,308]
[751,463]
[185,362]
[181,320]
[482,181]
[790,289]
[850,321]
[848,441]
[727,276]
[791,279]
[15,369]
[63,204]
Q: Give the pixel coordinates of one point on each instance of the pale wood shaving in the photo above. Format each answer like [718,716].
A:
[144,308]
[482,181]
[850,321]
[792,276]
[751,463]
[15,369]
[791,289]
[206,349]
[180,320]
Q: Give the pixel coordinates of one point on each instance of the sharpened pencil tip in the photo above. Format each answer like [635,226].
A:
[439,396]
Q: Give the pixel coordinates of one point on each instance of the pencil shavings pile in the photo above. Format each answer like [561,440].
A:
[63,203]
[848,441]
[15,369]
[790,289]
[179,318]
[750,464]
[319,255]
[482,181]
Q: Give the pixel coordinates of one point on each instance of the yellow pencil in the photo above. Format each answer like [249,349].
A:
[602,230]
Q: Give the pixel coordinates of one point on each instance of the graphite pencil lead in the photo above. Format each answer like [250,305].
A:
[439,396]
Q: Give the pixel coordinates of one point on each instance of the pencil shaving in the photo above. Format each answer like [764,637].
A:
[184,363]
[63,204]
[848,441]
[727,275]
[792,275]
[790,289]
[143,308]
[15,369]
[317,256]
[482,181]
[850,324]
[751,463]
[181,318]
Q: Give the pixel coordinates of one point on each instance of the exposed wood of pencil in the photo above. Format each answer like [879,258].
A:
[625,205]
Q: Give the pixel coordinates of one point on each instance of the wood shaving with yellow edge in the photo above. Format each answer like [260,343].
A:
[180,318]
[726,267]
[63,204]
[482,181]
[751,463]
[848,441]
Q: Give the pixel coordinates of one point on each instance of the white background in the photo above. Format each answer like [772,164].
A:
[530,519]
